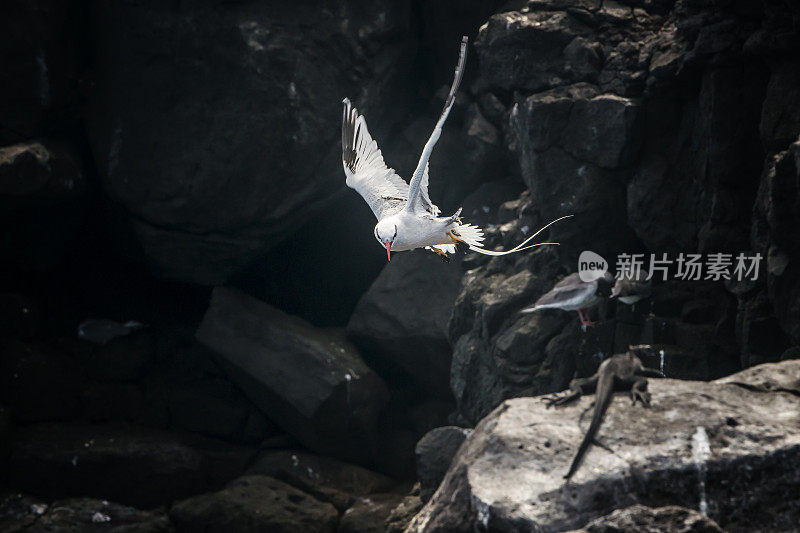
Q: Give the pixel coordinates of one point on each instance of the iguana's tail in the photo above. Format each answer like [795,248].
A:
[605,391]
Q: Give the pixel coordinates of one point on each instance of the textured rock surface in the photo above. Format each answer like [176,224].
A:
[5,440]
[435,451]
[651,123]
[123,463]
[39,54]
[716,445]
[313,383]
[42,200]
[402,515]
[671,519]
[38,382]
[324,478]
[369,514]
[401,321]
[36,173]
[498,353]
[774,235]
[237,109]
[575,147]
[254,503]
[22,513]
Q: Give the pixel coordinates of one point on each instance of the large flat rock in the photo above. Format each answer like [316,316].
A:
[312,382]
[253,504]
[325,478]
[720,447]
[401,321]
[120,462]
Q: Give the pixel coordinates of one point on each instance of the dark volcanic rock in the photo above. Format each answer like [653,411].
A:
[20,315]
[253,504]
[5,440]
[671,519]
[38,51]
[780,117]
[369,514]
[239,121]
[720,446]
[435,452]
[649,122]
[401,321]
[210,406]
[774,235]
[402,515]
[39,174]
[313,383]
[22,513]
[533,51]
[499,353]
[694,185]
[120,359]
[42,196]
[324,478]
[39,382]
[18,512]
[691,322]
[575,150]
[124,463]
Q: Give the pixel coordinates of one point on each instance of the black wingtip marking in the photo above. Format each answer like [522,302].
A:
[349,135]
[459,73]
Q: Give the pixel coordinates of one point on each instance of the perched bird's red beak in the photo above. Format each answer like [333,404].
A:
[389,250]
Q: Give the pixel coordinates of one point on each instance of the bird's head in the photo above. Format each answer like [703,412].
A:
[605,285]
[386,233]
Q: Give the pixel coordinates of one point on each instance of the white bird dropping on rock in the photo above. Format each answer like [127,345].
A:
[701,452]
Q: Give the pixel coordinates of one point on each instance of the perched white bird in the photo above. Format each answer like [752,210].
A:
[574,294]
[407,218]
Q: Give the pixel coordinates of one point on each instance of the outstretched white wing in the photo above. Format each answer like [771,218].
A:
[425,199]
[418,190]
[385,192]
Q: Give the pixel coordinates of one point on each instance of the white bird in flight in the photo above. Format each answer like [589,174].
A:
[407,218]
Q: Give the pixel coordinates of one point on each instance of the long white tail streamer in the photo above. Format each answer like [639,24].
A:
[521,246]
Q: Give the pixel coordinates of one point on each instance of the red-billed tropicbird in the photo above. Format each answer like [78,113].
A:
[407,218]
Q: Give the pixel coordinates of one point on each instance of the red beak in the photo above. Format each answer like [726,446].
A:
[389,250]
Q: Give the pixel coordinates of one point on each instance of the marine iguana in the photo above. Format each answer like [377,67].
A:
[620,371]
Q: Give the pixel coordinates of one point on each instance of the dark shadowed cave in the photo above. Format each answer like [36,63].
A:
[178,164]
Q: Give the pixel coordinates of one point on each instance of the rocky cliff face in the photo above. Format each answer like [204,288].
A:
[178,165]
[659,126]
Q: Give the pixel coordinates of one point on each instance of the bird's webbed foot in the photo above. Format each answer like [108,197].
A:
[457,240]
[442,255]
[585,320]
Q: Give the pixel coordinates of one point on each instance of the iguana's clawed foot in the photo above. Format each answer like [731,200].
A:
[640,395]
[559,399]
